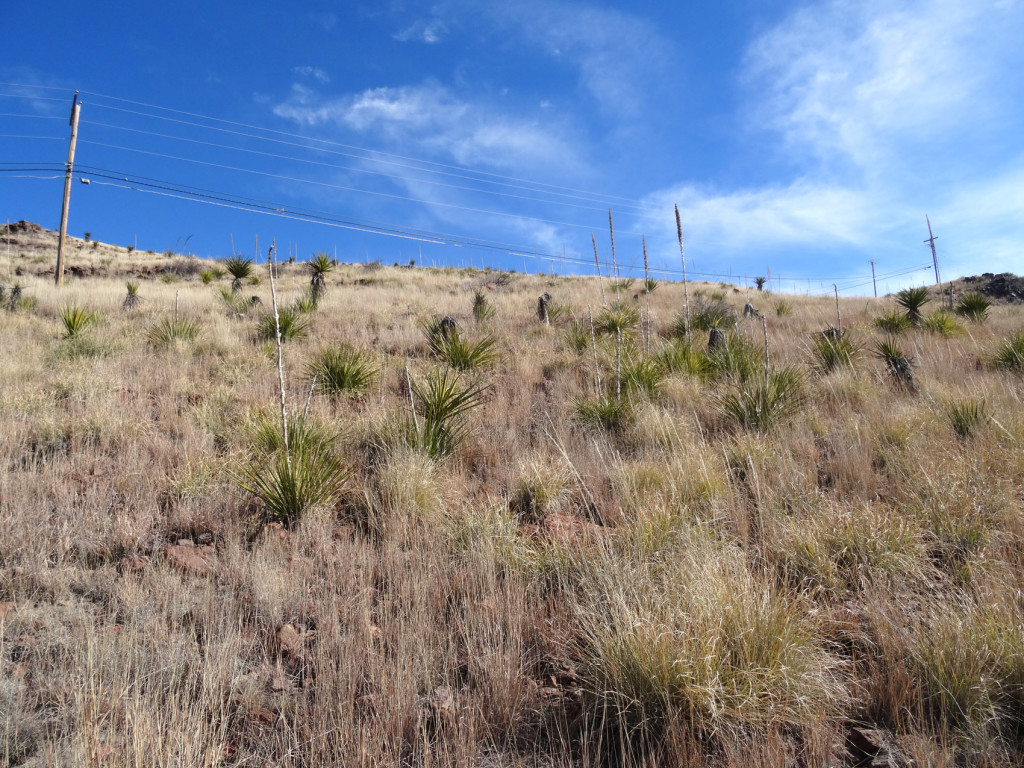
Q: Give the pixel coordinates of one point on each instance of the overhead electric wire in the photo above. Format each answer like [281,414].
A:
[570,194]
[347,146]
[342,187]
[335,166]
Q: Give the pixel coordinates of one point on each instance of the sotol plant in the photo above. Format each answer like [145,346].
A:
[239,269]
[444,404]
[289,481]
[762,404]
[343,370]
[77,320]
[294,325]
[449,346]
[170,330]
[833,351]
[1010,355]
[318,268]
[974,306]
[913,300]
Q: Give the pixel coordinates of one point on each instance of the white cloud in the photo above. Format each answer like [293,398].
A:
[424,31]
[430,119]
[886,111]
[313,72]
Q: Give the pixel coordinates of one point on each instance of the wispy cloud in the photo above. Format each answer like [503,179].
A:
[313,72]
[424,31]
[885,111]
[430,119]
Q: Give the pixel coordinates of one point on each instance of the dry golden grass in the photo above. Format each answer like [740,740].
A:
[678,590]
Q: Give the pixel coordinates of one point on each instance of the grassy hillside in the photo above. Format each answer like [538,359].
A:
[694,562]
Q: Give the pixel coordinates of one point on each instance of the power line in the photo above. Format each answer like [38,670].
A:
[340,167]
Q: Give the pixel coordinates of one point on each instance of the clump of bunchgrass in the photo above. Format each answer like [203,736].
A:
[677,357]
[735,357]
[643,375]
[343,370]
[705,316]
[974,306]
[577,337]
[762,403]
[783,308]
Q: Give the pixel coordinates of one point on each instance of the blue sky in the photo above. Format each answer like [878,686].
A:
[797,138]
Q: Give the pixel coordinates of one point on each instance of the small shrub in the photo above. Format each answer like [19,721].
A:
[294,325]
[783,308]
[174,329]
[761,404]
[974,306]
[77,320]
[343,370]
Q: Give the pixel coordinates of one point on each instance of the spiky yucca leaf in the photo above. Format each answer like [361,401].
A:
[912,300]
[444,404]
[974,306]
[762,404]
[294,325]
[77,320]
[173,329]
[343,370]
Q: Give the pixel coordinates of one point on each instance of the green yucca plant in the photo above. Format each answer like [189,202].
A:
[1010,355]
[897,364]
[735,358]
[617,318]
[343,370]
[650,285]
[174,329]
[132,299]
[444,404]
[449,346]
[318,267]
[705,316]
[77,320]
[783,308]
[577,337]
[974,306]
[966,417]
[239,269]
[942,324]
[482,308]
[294,325]
[678,358]
[913,300]
[762,404]
[893,322]
[834,350]
[305,304]
[291,482]
[643,376]
[606,412]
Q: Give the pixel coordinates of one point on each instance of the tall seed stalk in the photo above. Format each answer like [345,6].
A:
[618,363]
[647,285]
[686,294]
[597,263]
[767,359]
[839,319]
[593,341]
[280,350]
[615,266]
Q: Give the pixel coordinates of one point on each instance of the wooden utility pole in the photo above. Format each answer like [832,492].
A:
[873,283]
[58,278]
[931,242]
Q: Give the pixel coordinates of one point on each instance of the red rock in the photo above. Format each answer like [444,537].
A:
[135,564]
[290,641]
[190,559]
